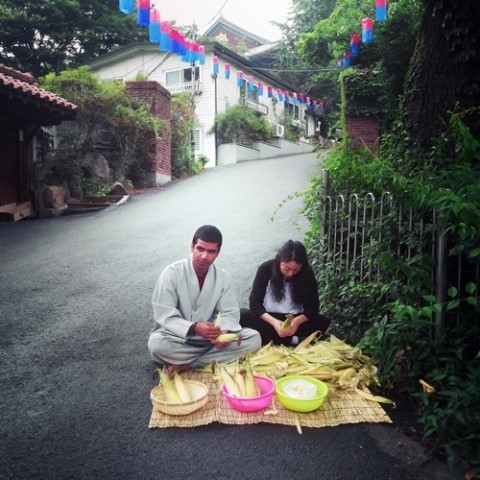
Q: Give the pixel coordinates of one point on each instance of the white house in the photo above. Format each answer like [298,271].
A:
[213,93]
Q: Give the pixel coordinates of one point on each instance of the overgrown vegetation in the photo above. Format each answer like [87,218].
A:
[110,121]
[317,35]
[429,163]
[183,124]
[392,317]
[240,125]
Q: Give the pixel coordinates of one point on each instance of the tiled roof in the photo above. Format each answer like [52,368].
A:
[25,84]
[222,22]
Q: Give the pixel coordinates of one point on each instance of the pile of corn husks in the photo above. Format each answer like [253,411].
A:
[332,361]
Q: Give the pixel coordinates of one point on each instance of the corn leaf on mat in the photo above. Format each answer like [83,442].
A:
[343,407]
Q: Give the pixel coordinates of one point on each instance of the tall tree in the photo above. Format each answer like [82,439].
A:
[304,15]
[42,36]
[445,70]
[329,39]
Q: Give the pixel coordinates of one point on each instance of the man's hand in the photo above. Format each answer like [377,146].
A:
[207,330]
[219,344]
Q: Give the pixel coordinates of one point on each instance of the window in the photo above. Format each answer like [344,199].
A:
[172,78]
[181,77]
[251,94]
[292,110]
[196,139]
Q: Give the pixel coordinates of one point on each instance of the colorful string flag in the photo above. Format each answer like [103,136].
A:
[240,78]
[287,97]
[227,71]
[301,97]
[154,33]
[143,12]
[367,30]
[280,95]
[250,84]
[354,44]
[294,98]
[270,91]
[215,65]
[189,54]
[201,54]
[380,10]
[321,106]
[196,53]
[347,59]
[175,38]
[165,41]
[126,6]
[182,51]
[260,89]
[307,102]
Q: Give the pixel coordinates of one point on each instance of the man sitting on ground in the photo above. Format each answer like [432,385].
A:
[188,296]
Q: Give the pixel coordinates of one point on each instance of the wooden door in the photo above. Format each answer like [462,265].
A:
[9,181]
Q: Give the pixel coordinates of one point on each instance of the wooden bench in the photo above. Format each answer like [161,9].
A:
[17,211]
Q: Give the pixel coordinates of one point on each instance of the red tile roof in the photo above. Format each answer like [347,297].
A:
[26,84]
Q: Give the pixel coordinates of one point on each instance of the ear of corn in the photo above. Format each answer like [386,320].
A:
[182,389]
[227,337]
[229,382]
[287,322]
[171,393]
[218,320]
[239,377]
[250,384]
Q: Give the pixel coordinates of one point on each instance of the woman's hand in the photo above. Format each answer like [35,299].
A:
[285,332]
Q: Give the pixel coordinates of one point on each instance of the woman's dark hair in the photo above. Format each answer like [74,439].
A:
[208,233]
[290,251]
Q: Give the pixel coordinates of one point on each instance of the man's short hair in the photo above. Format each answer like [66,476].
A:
[208,233]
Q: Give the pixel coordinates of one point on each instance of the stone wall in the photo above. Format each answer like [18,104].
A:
[364,132]
[157,99]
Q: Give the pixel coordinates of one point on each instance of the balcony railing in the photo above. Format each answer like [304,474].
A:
[185,87]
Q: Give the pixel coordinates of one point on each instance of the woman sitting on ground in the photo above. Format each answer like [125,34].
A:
[285,285]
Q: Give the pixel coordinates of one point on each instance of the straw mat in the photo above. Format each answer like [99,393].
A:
[338,408]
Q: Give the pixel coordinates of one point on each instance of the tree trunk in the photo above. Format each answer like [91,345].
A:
[444,70]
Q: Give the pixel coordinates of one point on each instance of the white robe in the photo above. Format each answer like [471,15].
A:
[178,302]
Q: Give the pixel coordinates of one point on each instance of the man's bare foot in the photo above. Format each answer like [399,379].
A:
[178,368]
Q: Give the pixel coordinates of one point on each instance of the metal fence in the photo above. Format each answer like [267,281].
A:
[359,231]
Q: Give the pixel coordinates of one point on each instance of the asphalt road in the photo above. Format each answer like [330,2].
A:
[75,373]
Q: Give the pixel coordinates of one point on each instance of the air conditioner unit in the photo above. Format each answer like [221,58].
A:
[278,130]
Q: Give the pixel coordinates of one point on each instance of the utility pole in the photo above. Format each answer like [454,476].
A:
[192,96]
[214,78]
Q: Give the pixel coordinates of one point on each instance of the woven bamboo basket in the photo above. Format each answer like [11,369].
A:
[198,391]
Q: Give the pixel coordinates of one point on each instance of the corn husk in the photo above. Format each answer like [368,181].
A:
[341,366]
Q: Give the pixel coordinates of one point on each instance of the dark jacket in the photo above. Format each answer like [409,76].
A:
[306,277]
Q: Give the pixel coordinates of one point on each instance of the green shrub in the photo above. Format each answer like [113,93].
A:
[394,319]
[240,125]
[183,125]
[105,105]
[91,190]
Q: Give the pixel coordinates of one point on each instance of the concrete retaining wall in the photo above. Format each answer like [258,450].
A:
[229,153]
